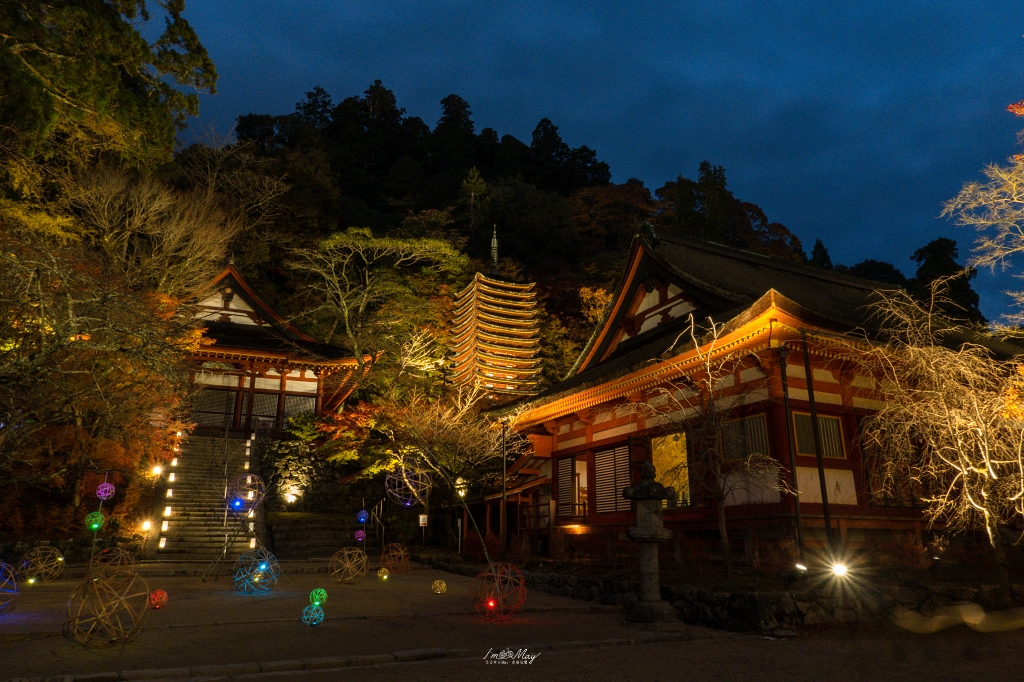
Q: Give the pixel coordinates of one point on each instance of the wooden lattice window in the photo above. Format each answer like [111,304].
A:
[831,430]
[742,438]
[611,475]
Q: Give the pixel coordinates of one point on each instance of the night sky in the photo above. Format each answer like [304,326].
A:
[851,122]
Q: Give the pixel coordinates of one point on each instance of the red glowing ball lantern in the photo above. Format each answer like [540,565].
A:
[157,599]
[499,592]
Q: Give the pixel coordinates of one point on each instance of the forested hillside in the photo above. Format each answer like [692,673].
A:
[365,161]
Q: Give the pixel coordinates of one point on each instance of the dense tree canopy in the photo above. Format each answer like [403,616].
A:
[79,78]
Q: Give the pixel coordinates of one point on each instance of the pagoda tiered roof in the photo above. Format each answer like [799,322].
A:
[497,336]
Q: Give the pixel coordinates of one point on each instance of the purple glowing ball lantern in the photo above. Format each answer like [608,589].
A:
[105,491]
[360,535]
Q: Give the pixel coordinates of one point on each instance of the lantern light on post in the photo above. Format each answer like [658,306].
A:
[362,516]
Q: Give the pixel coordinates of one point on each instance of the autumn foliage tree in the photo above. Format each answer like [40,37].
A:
[92,378]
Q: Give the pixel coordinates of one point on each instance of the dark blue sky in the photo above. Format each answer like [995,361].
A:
[851,122]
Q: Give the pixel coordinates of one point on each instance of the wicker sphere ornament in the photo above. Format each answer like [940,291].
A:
[348,565]
[383,573]
[112,560]
[439,587]
[8,587]
[256,572]
[312,615]
[360,535]
[395,558]
[105,490]
[108,609]
[499,591]
[157,599]
[94,520]
[318,597]
[408,485]
[362,516]
[41,564]
[245,493]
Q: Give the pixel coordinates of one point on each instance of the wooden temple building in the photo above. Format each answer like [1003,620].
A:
[496,337]
[591,432]
[254,368]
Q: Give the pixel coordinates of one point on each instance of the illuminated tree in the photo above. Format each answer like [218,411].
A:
[92,376]
[995,208]
[363,288]
[451,438]
[950,428]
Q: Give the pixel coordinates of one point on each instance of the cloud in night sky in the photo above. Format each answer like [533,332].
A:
[849,122]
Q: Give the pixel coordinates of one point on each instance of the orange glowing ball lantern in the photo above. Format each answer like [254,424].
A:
[157,599]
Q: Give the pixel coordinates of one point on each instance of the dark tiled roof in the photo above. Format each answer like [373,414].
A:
[267,339]
[744,277]
[739,278]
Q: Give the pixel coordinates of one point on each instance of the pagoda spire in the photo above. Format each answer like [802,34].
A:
[494,251]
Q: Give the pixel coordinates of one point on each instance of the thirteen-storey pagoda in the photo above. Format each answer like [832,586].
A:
[496,337]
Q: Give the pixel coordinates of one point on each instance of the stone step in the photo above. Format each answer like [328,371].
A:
[196,528]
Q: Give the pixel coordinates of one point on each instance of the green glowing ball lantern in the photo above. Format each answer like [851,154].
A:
[94,520]
[318,596]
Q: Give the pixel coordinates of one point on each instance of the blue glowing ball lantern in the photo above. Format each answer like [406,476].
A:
[312,615]
[244,493]
[256,572]
[362,516]
[8,586]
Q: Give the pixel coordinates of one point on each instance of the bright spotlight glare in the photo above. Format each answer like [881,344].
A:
[839,569]
[157,470]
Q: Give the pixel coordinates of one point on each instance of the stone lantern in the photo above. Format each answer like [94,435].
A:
[649,530]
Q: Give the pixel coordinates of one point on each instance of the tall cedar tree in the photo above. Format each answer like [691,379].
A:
[78,77]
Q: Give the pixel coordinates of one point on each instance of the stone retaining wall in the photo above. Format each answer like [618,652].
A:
[757,611]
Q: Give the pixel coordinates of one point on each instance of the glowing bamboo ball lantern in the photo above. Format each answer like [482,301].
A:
[41,564]
[348,565]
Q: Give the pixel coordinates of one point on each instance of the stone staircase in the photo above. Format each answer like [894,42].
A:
[195,528]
